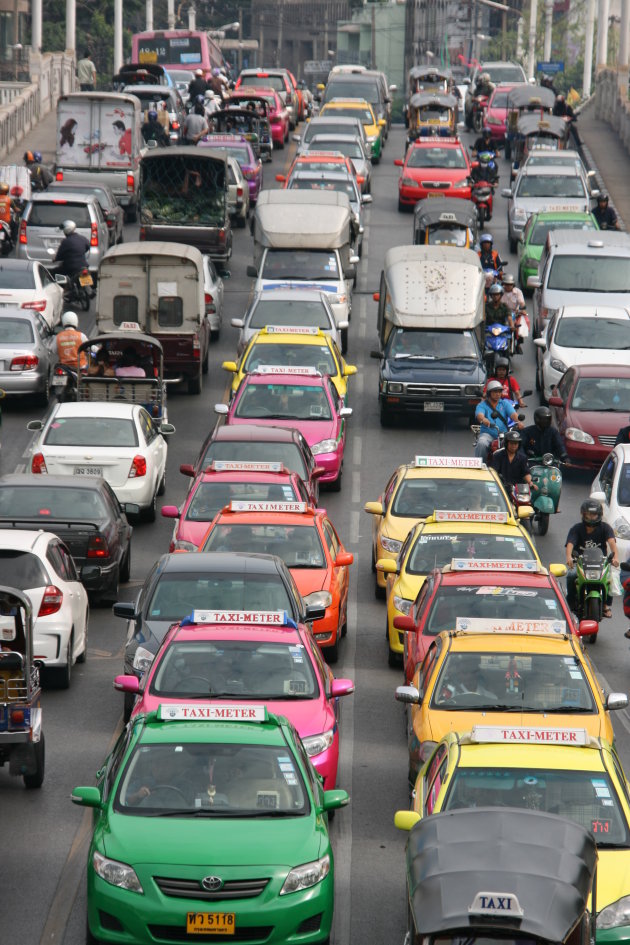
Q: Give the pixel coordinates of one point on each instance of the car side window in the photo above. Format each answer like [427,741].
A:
[54,558]
[149,430]
[68,563]
[322,666]
[113,762]
[389,491]
[552,327]
[331,539]
[302,491]
[427,667]
[608,476]
[565,385]
[43,328]
[434,779]
[45,276]
[423,596]
[111,500]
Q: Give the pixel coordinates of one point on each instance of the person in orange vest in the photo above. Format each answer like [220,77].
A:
[5,203]
[68,341]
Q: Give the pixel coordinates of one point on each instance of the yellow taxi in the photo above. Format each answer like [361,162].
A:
[433,543]
[292,346]
[416,489]
[489,669]
[359,108]
[556,769]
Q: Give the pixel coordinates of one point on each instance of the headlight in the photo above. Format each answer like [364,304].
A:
[402,604]
[558,365]
[303,877]
[409,182]
[395,388]
[372,138]
[316,744]
[115,873]
[622,528]
[617,913]
[593,574]
[184,546]
[319,599]
[472,390]
[142,659]
[530,263]
[460,184]
[519,215]
[324,446]
[578,436]
[391,545]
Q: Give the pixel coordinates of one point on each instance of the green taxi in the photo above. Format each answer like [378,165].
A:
[210,822]
[531,245]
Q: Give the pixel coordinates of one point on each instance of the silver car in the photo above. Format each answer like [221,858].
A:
[213,293]
[330,125]
[28,351]
[238,193]
[545,187]
[40,227]
[112,211]
[306,308]
[350,146]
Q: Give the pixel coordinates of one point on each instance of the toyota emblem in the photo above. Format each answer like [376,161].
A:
[212,883]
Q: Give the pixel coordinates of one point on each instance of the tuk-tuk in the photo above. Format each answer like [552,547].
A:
[429,79]
[514,876]
[431,113]
[445,221]
[536,133]
[21,735]
[260,106]
[139,73]
[525,99]
[239,121]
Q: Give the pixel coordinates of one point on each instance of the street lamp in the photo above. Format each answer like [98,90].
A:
[220,31]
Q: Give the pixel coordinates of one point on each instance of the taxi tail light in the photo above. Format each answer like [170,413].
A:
[222,236]
[23,236]
[24,362]
[209,303]
[97,547]
[130,183]
[138,467]
[38,464]
[94,234]
[239,191]
[18,716]
[51,601]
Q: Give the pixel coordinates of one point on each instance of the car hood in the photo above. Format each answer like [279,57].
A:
[575,356]
[597,422]
[450,174]
[312,430]
[152,633]
[404,369]
[309,580]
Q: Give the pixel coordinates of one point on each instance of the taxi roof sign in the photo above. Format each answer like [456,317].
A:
[277,618]
[291,330]
[300,369]
[458,515]
[224,465]
[449,462]
[212,713]
[129,326]
[496,903]
[240,505]
[491,734]
[494,564]
[490,625]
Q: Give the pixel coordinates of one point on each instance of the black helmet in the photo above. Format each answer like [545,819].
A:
[542,417]
[602,198]
[486,132]
[513,436]
[591,512]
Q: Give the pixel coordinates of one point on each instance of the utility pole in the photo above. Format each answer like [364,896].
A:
[624,38]
[36,25]
[149,15]
[261,41]
[548,28]
[520,29]
[192,17]
[240,39]
[170,14]
[589,31]
[373,35]
[279,58]
[602,33]
[71,26]
[531,50]
[118,36]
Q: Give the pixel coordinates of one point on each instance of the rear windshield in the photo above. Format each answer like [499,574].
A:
[353,88]
[300,264]
[177,595]
[15,331]
[553,185]
[211,497]
[351,149]
[22,570]
[264,452]
[573,273]
[299,546]
[331,185]
[352,111]
[91,431]
[539,234]
[289,312]
[436,157]
[53,214]
[17,278]
[436,550]
[594,333]
[45,502]
[322,127]
[275,82]
[239,152]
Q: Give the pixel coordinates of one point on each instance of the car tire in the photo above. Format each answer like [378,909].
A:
[82,657]
[331,653]
[62,675]
[89,938]
[214,335]
[150,512]
[195,383]
[124,573]
[344,340]
[131,214]
[162,485]
[241,222]
[386,417]
[513,245]
[205,364]
[401,206]
[381,593]
[43,397]
[35,780]
[394,660]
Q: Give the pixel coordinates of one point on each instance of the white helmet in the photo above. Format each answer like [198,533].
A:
[70,320]
[68,227]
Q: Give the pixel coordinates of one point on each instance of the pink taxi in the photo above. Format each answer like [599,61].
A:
[236,658]
[495,116]
[298,397]
[218,485]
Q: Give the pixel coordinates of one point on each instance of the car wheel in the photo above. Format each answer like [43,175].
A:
[205,363]
[393,659]
[62,675]
[385,417]
[335,486]
[513,245]
[125,568]
[401,206]
[344,630]
[380,593]
[344,340]
[131,214]
[89,938]
[162,485]
[195,383]
[43,397]
[35,780]
[82,657]
[214,335]
[149,513]
[280,144]
[331,653]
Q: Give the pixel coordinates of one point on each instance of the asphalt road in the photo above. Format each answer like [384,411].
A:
[44,838]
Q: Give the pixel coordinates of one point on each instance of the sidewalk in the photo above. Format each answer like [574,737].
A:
[41,138]
[605,154]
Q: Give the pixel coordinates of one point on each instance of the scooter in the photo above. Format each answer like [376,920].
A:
[499,344]
[480,103]
[64,383]
[6,238]
[481,192]
[592,585]
[547,476]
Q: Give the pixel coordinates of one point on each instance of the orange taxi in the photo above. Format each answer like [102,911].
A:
[320,161]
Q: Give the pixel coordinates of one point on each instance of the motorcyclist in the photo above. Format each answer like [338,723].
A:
[591,532]
[485,168]
[483,142]
[605,215]
[496,311]
[484,85]
[540,437]
[153,130]
[489,257]
[69,340]
[72,251]
[547,83]
[41,176]
[512,295]
[6,204]
[562,109]
[197,85]
[493,425]
[511,462]
[511,389]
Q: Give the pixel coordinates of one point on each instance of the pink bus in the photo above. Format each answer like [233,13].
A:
[177,49]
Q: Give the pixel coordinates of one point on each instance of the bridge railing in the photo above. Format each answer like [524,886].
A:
[611,102]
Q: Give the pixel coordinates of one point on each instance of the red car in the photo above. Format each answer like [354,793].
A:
[433,167]
[520,599]
[496,113]
[590,405]
[278,112]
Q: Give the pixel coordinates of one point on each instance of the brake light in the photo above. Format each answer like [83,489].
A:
[24,362]
[138,467]
[221,236]
[196,347]
[37,306]
[239,191]
[60,201]
[23,237]
[97,547]
[38,464]
[175,125]
[94,236]
[17,716]
[59,175]
[130,183]
[110,222]
[142,234]
[51,601]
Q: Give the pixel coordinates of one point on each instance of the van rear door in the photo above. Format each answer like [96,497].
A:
[175,318]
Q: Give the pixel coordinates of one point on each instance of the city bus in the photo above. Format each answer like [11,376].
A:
[177,49]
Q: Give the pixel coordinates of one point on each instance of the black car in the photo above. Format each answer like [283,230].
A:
[84,513]
[180,583]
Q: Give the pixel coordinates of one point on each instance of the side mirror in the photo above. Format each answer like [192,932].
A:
[318,472]
[86,797]
[341,687]
[525,511]
[237,323]
[586,628]
[354,260]
[131,508]
[221,409]
[34,425]
[127,684]
[387,566]
[404,622]
[345,412]
[616,700]
[344,559]
[167,429]
[399,162]
[281,178]
[407,694]
[366,198]
[314,612]
[61,280]
[231,366]
[252,272]
[349,370]
[343,324]
[335,799]
[406,819]
[556,401]
[187,469]
[595,193]
[527,393]
[598,497]
[125,609]
[533,282]
[169,511]
[540,343]
[377,354]
[90,576]
[297,138]
[506,192]
[374,508]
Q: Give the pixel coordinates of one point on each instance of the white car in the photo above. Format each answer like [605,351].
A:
[26,283]
[118,441]
[581,334]
[307,307]
[611,487]
[238,193]
[213,294]
[40,565]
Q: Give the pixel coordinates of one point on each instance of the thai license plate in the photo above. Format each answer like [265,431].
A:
[88,470]
[435,406]
[210,923]
[85,280]
[59,380]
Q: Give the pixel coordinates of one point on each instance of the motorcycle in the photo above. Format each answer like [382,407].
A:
[592,585]
[64,383]
[498,443]
[499,343]
[6,238]
[481,192]
[479,105]
[547,476]
[79,289]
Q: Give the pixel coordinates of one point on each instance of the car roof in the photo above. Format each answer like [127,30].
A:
[538,578]
[307,380]
[227,733]
[260,633]
[54,197]
[594,311]
[115,411]
[327,136]
[220,562]
[585,239]
[287,337]
[309,518]
[551,170]
[293,294]
[601,370]
[242,475]
[17,264]
[254,432]
[52,482]
[22,539]
[462,641]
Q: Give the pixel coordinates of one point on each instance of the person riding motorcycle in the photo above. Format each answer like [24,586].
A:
[511,389]
[484,85]
[605,215]
[562,109]
[493,414]
[488,256]
[512,295]
[511,462]
[197,85]
[41,176]
[6,204]
[496,311]
[591,532]
[540,437]
[195,124]
[483,142]
[153,130]
[72,251]
[69,340]
[485,168]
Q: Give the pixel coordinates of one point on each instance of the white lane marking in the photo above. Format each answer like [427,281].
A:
[357,447]
[622,714]
[356,485]
[357,387]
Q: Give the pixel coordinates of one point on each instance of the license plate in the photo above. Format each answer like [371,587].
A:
[59,380]
[434,193]
[88,470]
[210,923]
[436,406]
[85,280]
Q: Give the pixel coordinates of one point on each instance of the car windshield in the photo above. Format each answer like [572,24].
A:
[300,264]
[46,502]
[587,797]
[435,550]
[431,345]
[554,186]
[503,75]
[499,100]
[308,314]
[524,682]
[213,780]
[22,278]
[582,273]
[211,497]
[266,451]
[317,356]
[91,431]
[491,602]
[299,546]
[235,669]
[176,595]
[439,157]
[22,569]
[539,233]
[351,111]
[15,331]
[609,394]
[593,333]
[418,498]
[283,402]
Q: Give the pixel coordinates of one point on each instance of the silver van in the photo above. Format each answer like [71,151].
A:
[40,227]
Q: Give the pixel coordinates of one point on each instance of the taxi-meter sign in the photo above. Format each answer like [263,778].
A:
[291,329]
[513,625]
[301,370]
[224,465]
[494,564]
[276,618]
[449,462]
[492,734]
[461,515]
[241,505]
[213,713]
[496,903]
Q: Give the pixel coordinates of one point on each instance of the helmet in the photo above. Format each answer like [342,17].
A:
[484,77]
[495,289]
[542,417]
[68,227]
[486,238]
[602,198]
[591,512]
[28,157]
[502,363]
[486,132]
[70,320]
[560,98]
[513,436]
[152,115]
[216,71]
[507,279]
[4,187]
[198,71]
[199,99]
[494,385]
[37,157]
[485,157]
